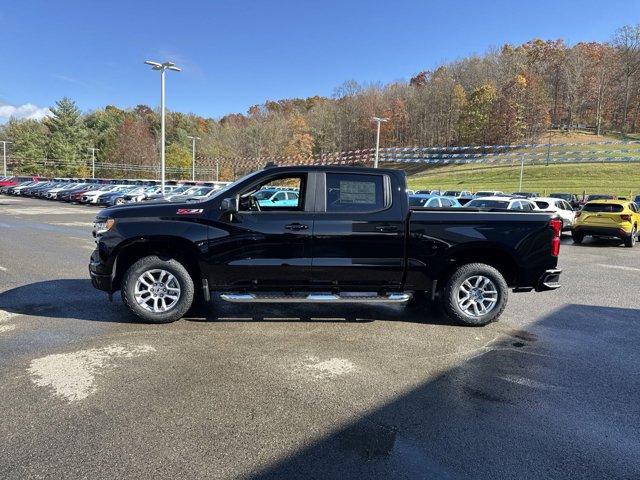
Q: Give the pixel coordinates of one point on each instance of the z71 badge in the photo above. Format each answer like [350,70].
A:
[189,211]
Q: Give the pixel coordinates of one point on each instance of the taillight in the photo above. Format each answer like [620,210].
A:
[556,226]
[625,218]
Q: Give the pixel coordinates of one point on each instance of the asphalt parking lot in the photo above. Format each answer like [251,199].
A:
[550,391]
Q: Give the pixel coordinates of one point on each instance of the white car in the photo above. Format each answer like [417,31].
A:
[488,193]
[502,202]
[53,193]
[559,206]
[92,195]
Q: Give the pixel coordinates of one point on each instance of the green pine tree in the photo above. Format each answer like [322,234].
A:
[68,138]
[28,145]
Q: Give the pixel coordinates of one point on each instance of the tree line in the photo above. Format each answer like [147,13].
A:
[507,95]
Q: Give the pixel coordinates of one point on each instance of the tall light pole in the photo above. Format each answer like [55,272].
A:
[93,161]
[193,156]
[378,120]
[4,156]
[521,172]
[162,67]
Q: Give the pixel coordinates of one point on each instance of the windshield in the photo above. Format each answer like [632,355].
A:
[417,201]
[542,205]
[201,191]
[487,204]
[485,194]
[263,194]
[451,193]
[599,197]
[561,196]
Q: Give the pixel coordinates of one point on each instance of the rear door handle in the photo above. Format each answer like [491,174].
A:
[296,226]
[387,228]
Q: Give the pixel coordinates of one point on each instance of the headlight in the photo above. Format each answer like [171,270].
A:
[101,227]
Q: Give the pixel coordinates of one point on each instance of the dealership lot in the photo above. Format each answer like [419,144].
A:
[310,391]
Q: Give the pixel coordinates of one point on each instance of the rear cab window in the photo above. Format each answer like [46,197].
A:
[355,193]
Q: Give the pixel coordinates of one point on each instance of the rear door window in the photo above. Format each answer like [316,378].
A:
[355,192]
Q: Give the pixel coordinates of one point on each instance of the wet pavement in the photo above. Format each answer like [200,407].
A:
[236,391]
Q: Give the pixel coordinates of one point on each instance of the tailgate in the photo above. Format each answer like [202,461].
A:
[601,219]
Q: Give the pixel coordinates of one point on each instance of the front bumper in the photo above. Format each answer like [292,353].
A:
[101,282]
[101,278]
[549,280]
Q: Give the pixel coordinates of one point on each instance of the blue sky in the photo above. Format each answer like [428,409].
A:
[239,53]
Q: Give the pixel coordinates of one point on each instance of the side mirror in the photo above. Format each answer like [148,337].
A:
[229,205]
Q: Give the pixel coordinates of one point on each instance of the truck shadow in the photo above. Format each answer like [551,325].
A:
[520,407]
[77,299]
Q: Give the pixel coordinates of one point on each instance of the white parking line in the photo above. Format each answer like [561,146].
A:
[619,267]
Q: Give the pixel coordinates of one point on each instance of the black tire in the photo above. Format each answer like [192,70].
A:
[577,236]
[630,241]
[184,280]
[452,288]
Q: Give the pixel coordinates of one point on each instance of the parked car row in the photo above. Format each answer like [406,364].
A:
[599,216]
[106,193]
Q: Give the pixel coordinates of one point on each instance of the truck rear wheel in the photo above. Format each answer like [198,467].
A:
[157,290]
[475,295]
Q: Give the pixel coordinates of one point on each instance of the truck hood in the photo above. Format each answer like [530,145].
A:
[155,208]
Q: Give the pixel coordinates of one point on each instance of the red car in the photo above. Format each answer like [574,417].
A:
[76,195]
[11,181]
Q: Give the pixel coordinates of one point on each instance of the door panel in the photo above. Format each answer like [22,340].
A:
[268,249]
[357,249]
[262,249]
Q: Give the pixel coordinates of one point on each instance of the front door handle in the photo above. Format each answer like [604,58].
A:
[296,226]
[387,228]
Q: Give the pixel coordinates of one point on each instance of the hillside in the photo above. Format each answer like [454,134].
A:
[618,178]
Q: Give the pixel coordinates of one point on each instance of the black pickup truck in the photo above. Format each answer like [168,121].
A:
[321,234]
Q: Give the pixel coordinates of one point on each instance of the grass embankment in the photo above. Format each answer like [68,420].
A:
[612,178]
[616,178]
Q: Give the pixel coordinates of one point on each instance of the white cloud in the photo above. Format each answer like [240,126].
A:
[27,111]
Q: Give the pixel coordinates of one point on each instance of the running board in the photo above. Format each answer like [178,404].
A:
[315,298]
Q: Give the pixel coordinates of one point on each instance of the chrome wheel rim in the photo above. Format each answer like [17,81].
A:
[157,290]
[477,296]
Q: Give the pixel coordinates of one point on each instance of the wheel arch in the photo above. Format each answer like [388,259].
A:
[177,248]
[499,258]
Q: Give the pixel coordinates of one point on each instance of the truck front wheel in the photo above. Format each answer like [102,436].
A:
[157,290]
[475,294]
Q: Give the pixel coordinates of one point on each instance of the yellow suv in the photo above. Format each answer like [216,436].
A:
[608,218]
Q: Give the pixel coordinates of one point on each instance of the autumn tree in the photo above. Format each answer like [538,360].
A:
[627,43]
[475,118]
[134,144]
[300,144]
